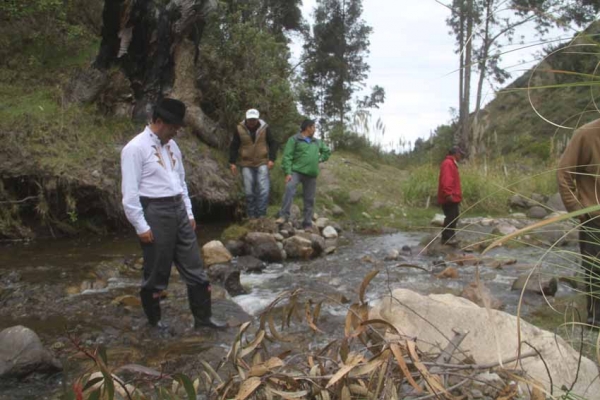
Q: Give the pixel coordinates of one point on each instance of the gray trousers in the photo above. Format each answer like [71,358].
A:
[309,188]
[589,245]
[174,243]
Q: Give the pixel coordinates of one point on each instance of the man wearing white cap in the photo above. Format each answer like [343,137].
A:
[254,149]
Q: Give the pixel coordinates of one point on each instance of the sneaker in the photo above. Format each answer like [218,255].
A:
[281,220]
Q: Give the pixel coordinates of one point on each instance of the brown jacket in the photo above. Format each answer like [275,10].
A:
[579,169]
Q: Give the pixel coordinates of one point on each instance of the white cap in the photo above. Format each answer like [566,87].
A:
[252,114]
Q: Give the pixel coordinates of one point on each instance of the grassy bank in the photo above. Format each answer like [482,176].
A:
[375,196]
[486,188]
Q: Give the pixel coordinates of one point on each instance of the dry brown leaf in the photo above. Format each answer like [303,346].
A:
[309,318]
[353,360]
[434,382]
[248,387]
[232,355]
[211,371]
[365,283]
[382,373]
[288,395]
[351,319]
[371,365]
[269,365]
[345,395]
[253,345]
[360,390]
[344,350]
[274,332]
[537,394]
[509,392]
[403,367]
[380,321]
[224,389]
[317,312]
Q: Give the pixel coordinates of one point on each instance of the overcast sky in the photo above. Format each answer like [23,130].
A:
[412,57]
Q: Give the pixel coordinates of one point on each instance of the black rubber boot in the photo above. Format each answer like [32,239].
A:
[201,306]
[151,306]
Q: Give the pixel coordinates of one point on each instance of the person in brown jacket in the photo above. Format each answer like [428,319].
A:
[578,173]
[254,149]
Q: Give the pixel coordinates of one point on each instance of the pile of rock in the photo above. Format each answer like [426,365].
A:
[267,242]
[537,206]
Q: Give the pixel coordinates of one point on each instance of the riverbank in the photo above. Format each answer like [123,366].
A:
[86,291]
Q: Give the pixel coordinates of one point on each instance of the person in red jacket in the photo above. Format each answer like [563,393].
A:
[449,193]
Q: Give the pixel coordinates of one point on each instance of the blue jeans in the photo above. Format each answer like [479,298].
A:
[256,186]
[309,189]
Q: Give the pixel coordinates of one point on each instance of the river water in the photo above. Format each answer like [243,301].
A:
[68,290]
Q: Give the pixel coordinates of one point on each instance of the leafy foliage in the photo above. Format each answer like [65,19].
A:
[334,57]
[242,67]
[34,33]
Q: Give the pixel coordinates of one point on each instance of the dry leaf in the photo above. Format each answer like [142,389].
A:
[253,345]
[345,395]
[247,388]
[433,381]
[269,365]
[364,284]
[288,395]
[404,368]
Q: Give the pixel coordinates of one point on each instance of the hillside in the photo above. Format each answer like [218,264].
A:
[519,126]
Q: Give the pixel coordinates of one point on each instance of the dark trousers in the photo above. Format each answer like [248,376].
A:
[174,243]
[451,212]
[589,246]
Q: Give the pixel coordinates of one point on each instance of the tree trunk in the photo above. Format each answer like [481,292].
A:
[154,43]
[484,55]
[461,77]
[465,125]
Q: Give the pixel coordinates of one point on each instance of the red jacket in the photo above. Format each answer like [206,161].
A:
[449,182]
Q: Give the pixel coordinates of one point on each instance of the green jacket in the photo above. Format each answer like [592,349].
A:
[302,157]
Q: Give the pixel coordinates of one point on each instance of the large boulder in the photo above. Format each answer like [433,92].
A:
[22,352]
[263,246]
[215,253]
[492,334]
[298,247]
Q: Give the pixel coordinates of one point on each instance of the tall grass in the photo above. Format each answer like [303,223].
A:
[485,188]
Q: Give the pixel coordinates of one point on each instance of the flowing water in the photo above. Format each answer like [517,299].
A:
[68,292]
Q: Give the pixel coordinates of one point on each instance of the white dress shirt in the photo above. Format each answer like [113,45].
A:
[150,169]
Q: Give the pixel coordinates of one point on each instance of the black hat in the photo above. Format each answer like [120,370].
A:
[171,111]
[456,150]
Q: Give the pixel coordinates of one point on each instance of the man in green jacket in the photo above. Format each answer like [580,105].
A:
[301,159]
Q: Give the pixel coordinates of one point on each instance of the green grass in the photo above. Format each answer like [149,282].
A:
[484,189]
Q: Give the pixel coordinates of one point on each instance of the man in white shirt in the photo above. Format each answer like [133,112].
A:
[156,202]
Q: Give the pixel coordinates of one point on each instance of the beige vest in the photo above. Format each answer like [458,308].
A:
[253,154]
